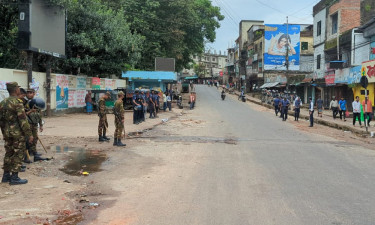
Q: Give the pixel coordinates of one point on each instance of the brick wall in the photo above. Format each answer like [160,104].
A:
[349,15]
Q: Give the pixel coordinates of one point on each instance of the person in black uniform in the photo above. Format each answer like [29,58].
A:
[137,107]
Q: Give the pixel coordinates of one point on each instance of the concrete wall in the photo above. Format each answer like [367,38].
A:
[349,16]
[361,49]
[319,73]
[321,16]
[39,83]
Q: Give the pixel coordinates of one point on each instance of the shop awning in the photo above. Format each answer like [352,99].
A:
[269,85]
[306,80]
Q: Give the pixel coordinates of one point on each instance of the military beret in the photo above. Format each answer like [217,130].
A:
[121,93]
[12,85]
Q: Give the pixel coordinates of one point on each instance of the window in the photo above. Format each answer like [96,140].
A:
[304,46]
[334,19]
[319,28]
[213,59]
[318,59]
[261,46]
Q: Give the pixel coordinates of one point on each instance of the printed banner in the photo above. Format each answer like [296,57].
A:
[77,98]
[62,91]
[110,84]
[368,69]
[342,76]
[81,83]
[355,75]
[95,81]
[330,78]
[278,40]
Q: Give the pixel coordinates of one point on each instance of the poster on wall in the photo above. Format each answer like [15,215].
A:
[35,85]
[280,39]
[62,92]
[368,69]
[95,82]
[109,84]
[76,98]
[71,98]
[355,75]
[81,83]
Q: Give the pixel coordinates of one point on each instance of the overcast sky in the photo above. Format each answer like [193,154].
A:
[271,11]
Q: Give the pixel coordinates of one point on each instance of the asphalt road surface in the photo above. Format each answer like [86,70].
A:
[227,163]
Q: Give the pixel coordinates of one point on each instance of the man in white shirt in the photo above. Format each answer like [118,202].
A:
[311,112]
[356,111]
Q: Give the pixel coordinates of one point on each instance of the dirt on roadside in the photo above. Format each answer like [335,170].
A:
[63,190]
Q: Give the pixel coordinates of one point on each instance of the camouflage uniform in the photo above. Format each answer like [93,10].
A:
[35,119]
[15,129]
[119,111]
[103,123]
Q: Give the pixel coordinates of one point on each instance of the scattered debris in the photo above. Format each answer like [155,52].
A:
[164,120]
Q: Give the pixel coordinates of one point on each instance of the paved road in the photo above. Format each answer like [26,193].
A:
[236,165]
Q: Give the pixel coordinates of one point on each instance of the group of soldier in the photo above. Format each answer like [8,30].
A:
[20,118]
[119,112]
[148,100]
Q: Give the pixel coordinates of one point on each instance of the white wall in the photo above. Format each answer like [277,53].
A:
[321,16]
[19,76]
[319,73]
[361,49]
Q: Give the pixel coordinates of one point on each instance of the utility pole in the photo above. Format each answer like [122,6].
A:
[29,65]
[48,84]
[287,51]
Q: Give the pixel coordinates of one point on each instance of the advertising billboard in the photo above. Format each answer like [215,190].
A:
[42,28]
[280,39]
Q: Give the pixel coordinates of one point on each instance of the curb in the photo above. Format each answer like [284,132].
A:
[316,120]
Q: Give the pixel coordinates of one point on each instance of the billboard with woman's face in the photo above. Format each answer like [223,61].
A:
[281,39]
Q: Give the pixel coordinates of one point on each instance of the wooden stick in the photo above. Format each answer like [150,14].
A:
[28,155]
[40,141]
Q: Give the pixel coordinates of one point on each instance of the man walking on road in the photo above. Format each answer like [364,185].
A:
[334,106]
[297,108]
[368,112]
[356,111]
[311,112]
[319,106]
[342,108]
[276,103]
[284,108]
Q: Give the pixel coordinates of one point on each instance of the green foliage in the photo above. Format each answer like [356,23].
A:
[9,55]
[107,37]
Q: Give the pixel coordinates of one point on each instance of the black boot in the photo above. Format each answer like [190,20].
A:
[105,137]
[115,142]
[38,158]
[14,180]
[101,139]
[6,177]
[119,143]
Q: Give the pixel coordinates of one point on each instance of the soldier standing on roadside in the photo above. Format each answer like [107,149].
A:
[34,116]
[103,123]
[119,111]
[15,129]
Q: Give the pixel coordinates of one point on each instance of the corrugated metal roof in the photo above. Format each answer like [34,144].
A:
[149,75]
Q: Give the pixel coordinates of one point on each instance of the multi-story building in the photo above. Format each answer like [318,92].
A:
[339,47]
[207,66]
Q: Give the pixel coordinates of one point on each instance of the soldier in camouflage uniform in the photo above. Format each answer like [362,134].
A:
[34,116]
[103,123]
[15,129]
[119,112]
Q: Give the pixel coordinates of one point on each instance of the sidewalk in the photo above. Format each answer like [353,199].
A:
[326,120]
